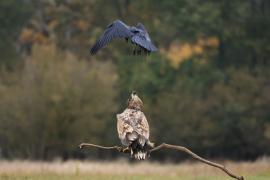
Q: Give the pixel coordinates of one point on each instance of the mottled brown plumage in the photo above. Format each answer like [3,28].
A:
[133,128]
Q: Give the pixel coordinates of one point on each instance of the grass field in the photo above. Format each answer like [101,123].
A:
[122,170]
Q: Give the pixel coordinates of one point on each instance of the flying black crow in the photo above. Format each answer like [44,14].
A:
[136,34]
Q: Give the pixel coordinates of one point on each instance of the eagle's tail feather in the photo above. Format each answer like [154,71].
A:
[140,155]
[139,151]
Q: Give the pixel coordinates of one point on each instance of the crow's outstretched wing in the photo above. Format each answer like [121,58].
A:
[144,42]
[117,29]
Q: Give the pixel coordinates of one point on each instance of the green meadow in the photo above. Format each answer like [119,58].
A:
[122,170]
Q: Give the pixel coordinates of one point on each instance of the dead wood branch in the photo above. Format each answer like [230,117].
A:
[118,148]
[168,146]
[195,156]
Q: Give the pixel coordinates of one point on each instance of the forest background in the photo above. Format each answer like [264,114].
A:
[207,88]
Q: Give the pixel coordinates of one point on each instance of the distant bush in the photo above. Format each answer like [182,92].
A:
[55,102]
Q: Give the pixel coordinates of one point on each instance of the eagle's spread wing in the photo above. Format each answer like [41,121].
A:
[144,42]
[117,29]
[132,125]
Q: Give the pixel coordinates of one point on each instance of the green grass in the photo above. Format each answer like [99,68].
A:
[124,177]
[78,170]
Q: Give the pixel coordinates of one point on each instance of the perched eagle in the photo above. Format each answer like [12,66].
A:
[133,128]
[136,34]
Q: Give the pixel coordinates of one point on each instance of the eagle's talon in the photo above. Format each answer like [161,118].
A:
[152,145]
[124,150]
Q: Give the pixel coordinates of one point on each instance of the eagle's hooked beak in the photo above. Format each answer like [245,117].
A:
[134,93]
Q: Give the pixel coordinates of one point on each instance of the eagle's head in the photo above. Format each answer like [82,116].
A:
[134,102]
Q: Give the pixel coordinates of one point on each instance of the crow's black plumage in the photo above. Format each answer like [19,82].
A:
[136,34]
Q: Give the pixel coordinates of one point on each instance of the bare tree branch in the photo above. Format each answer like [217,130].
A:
[118,148]
[195,156]
[168,146]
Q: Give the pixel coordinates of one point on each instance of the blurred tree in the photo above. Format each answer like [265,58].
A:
[55,103]
[207,88]
[215,114]
[13,16]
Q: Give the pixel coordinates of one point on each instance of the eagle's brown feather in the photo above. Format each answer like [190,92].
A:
[133,128]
